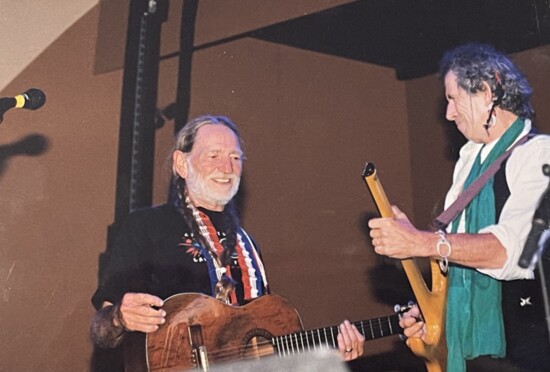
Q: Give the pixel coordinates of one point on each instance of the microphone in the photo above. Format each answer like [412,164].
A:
[32,99]
[534,246]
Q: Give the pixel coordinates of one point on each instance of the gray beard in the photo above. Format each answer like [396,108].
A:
[196,187]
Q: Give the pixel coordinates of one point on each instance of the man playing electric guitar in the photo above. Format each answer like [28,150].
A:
[193,245]
[488,98]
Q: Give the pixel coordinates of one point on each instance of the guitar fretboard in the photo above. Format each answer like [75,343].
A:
[327,337]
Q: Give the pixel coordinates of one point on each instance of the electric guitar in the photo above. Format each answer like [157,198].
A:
[200,331]
[432,303]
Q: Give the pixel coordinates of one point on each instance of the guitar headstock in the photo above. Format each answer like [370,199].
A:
[369,170]
[402,309]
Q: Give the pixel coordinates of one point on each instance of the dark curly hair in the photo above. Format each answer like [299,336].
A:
[475,63]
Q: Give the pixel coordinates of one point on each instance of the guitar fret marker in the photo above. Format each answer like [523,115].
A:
[371,330]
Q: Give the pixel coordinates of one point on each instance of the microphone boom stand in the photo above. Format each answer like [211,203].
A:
[537,243]
[544,245]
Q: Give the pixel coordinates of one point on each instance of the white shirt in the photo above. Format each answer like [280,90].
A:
[526,182]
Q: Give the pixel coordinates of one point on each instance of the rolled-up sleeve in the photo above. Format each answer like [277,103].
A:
[527,183]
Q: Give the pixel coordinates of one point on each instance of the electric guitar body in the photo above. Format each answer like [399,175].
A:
[432,302]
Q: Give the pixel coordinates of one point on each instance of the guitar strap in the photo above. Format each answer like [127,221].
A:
[467,195]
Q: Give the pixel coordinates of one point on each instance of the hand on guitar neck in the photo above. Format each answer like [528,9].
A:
[413,324]
[396,237]
[350,341]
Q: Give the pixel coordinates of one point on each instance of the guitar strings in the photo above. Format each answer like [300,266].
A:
[300,341]
[241,351]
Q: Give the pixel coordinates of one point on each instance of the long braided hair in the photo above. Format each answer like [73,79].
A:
[185,140]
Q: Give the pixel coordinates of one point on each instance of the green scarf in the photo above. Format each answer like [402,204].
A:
[474,323]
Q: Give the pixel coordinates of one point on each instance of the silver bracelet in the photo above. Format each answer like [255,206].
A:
[444,261]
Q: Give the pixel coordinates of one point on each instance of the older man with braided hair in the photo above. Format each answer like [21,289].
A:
[195,244]
[488,98]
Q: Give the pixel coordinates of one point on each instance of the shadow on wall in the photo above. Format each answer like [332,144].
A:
[31,145]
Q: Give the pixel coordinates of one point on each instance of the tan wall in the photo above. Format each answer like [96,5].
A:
[56,206]
[310,122]
[30,27]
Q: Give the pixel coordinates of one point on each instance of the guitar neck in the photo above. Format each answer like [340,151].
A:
[327,337]
[432,301]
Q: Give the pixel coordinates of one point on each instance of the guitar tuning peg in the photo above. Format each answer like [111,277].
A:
[403,308]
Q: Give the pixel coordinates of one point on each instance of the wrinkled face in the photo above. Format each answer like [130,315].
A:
[212,170]
[468,111]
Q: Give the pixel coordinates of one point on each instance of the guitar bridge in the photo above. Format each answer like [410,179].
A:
[200,353]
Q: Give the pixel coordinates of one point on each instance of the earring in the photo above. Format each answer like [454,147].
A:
[493,121]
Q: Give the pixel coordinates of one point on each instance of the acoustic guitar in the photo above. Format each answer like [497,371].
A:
[201,331]
[432,302]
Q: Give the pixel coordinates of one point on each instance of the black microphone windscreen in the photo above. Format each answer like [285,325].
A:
[34,99]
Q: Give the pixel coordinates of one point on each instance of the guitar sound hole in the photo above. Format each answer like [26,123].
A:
[256,344]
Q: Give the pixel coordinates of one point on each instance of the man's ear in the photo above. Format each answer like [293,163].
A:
[179,164]
[487,93]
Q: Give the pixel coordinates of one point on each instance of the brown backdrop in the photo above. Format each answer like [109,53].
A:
[310,122]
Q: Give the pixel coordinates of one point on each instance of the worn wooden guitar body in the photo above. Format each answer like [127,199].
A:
[201,331]
[432,302]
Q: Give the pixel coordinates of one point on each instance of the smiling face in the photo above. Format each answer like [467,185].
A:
[468,111]
[212,170]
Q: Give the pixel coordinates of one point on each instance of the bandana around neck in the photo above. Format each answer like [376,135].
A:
[253,273]
[474,322]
